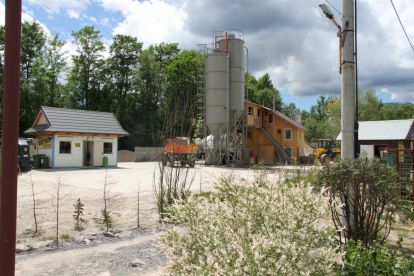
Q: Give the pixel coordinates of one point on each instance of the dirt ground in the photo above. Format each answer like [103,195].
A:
[87,184]
[90,253]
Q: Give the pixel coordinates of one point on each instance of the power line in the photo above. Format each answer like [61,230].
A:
[402,26]
[333,7]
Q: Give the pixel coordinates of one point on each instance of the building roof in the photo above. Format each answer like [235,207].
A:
[78,121]
[384,130]
[278,113]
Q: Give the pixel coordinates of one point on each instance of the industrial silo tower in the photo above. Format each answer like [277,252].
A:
[225,97]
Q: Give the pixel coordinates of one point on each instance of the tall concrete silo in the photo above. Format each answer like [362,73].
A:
[234,46]
[217,102]
[225,96]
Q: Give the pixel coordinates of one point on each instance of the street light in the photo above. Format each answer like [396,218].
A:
[347,61]
[329,14]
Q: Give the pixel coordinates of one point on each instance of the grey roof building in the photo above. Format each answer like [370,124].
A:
[76,138]
[377,137]
[385,130]
[54,119]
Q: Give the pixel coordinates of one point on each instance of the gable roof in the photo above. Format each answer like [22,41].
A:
[78,121]
[278,113]
[384,130]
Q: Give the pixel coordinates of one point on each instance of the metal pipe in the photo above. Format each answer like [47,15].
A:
[10,137]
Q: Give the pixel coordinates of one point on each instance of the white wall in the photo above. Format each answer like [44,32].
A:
[112,158]
[75,158]
[367,151]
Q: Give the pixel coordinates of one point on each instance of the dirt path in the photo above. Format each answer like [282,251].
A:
[110,258]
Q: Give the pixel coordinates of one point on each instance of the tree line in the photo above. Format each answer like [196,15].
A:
[138,85]
[323,120]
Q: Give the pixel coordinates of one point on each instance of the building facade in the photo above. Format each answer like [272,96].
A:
[76,138]
[271,136]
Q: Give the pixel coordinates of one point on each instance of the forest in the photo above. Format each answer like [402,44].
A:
[144,86]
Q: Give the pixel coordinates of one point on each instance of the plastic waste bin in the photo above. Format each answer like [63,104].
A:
[105,162]
[37,163]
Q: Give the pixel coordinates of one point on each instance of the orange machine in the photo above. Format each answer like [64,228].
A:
[179,152]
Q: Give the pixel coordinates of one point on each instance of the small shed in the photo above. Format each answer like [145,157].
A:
[377,137]
[76,138]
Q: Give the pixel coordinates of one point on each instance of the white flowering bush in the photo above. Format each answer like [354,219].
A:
[246,229]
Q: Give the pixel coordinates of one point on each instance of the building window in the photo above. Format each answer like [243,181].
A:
[249,134]
[259,112]
[65,147]
[279,131]
[288,134]
[107,148]
[250,110]
[288,152]
[270,118]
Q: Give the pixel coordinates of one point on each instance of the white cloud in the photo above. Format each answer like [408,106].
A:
[27,16]
[73,8]
[152,21]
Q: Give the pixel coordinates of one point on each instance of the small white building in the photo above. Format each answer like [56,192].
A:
[76,138]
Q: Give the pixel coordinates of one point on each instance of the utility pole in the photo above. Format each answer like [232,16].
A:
[347,81]
[8,193]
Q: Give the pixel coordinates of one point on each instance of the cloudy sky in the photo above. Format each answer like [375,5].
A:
[290,39]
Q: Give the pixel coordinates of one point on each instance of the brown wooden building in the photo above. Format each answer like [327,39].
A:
[271,136]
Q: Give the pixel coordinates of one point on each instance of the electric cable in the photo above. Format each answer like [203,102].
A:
[402,25]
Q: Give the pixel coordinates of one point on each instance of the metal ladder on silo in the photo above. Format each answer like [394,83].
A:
[201,94]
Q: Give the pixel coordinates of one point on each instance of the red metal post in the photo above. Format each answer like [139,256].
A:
[8,194]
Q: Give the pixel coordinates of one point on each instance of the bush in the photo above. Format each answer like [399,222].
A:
[376,260]
[251,230]
[363,196]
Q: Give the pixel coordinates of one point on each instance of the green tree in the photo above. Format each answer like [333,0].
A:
[86,74]
[262,91]
[123,60]
[150,81]
[55,65]
[32,72]
[181,93]
[369,106]
[288,109]
[323,120]
[394,111]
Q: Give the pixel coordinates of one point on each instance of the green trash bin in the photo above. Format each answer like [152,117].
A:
[37,160]
[45,162]
[105,162]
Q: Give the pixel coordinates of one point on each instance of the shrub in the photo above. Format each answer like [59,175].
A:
[376,260]
[251,230]
[363,196]
[78,215]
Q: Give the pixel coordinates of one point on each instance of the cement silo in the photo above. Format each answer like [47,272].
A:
[217,102]
[225,96]
[234,46]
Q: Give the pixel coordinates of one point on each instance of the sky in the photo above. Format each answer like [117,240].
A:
[289,39]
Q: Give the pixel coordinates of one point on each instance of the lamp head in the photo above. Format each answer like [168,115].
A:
[327,11]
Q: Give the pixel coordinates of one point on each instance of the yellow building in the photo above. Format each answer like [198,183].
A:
[271,136]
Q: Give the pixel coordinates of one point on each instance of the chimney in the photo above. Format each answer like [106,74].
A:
[296,116]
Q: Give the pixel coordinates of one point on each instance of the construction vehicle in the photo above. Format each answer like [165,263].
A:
[179,152]
[326,151]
